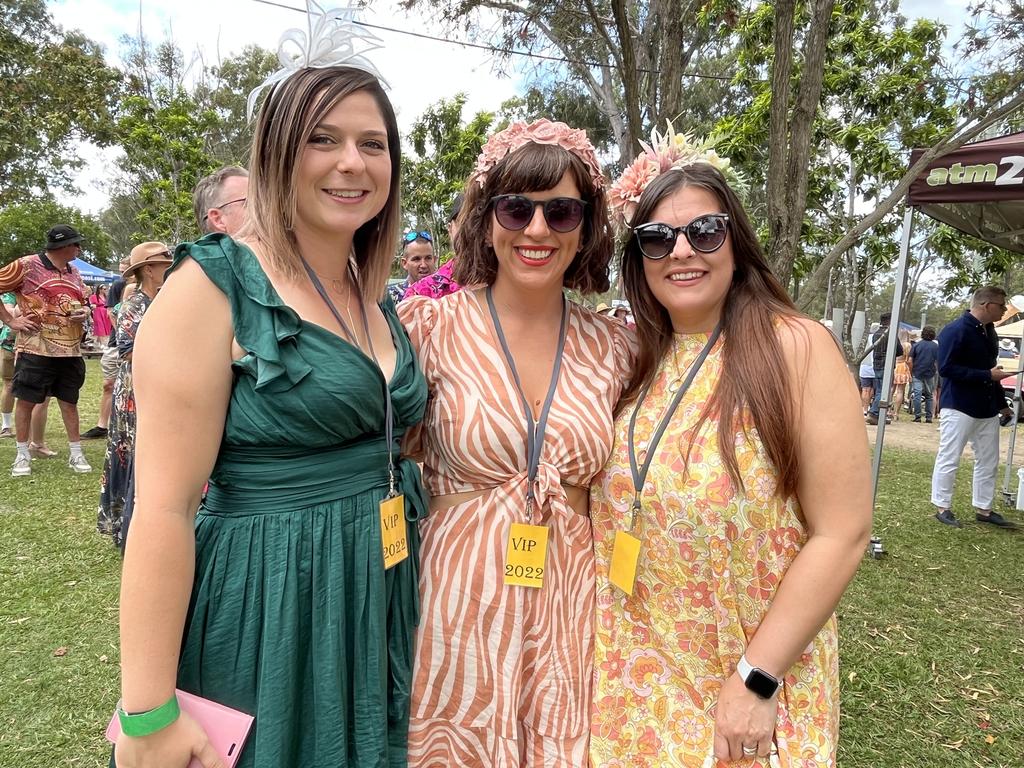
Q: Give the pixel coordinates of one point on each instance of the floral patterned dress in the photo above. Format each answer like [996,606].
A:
[119,461]
[712,557]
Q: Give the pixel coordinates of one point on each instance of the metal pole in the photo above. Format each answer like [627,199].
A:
[890,353]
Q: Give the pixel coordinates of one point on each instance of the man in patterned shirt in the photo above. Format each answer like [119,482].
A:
[51,299]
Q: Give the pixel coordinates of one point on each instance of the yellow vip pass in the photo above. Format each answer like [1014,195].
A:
[524,558]
[625,558]
[392,530]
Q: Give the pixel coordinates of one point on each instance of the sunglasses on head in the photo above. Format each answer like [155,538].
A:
[705,234]
[515,212]
[424,235]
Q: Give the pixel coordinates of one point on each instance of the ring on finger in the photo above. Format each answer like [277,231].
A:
[749,751]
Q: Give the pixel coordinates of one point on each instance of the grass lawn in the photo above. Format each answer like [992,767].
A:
[932,637]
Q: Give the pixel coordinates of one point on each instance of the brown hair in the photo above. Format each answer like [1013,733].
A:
[754,375]
[286,120]
[533,168]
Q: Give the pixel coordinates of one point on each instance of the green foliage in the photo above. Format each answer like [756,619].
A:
[55,89]
[23,228]
[224,90]
[173,133]
[444,151]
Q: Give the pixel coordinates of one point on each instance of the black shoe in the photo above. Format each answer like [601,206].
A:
[1005,419]
[946,517]
[917,419]
[96,433]
[871,418]
[927,421]
[994,518]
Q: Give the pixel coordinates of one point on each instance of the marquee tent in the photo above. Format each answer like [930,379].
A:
[979,189]
[93,274]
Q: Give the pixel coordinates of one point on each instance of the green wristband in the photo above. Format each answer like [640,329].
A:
[145,723]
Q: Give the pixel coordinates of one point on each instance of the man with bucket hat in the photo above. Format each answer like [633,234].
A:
[51,299]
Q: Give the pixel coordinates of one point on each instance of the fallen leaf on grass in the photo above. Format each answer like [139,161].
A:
[990,739]
[104,658]
[62,651]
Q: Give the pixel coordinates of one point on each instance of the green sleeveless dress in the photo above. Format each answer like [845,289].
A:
[293,618]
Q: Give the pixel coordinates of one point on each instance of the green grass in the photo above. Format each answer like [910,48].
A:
[932,637]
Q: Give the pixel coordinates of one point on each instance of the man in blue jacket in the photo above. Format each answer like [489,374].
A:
[924,372]
[970,400]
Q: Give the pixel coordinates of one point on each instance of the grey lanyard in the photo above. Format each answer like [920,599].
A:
[535,430]
[640,474]
[389,426]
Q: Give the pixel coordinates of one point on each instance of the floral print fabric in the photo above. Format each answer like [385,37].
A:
[119,461]
[712,557]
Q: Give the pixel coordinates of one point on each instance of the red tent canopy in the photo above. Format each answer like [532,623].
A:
[978,188]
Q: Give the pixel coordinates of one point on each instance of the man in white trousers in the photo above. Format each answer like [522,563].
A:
[970,400]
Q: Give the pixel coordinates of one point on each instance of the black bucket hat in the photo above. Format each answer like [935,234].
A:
[61,236]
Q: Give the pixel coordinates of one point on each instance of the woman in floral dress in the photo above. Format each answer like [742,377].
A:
[149,262]
[747,508]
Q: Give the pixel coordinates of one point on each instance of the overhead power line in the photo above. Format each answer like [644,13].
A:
[496,49]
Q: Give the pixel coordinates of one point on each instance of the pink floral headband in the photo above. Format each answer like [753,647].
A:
[542,131]
[665,152]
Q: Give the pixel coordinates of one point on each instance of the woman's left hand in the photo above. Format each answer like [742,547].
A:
[743,719]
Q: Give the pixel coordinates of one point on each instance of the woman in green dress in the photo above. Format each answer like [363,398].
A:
[269,366]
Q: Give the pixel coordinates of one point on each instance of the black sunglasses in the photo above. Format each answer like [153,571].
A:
[515,212]
[705,234]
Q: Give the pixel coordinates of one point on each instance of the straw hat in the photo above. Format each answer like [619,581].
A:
[147,253]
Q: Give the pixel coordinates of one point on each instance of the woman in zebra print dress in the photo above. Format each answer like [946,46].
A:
[502,675]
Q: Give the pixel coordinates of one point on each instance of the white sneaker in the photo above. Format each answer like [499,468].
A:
[79,464]
[22,466]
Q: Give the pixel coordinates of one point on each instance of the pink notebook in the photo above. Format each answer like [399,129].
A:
[227,728]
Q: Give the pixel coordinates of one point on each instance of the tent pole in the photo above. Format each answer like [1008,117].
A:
[1009,497]
[890,353]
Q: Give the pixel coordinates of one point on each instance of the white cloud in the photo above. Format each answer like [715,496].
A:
[420,71]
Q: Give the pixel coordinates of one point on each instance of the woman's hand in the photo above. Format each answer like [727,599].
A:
[171,747]
[743,719]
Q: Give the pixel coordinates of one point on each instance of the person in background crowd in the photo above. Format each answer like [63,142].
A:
[731,515]
[971,400]
[924,369]
[523,387]
[149,261]
[440,283]
[7,339]
[418,261]
[1007,348]
[101,324]
[866,374]
[109,360]
[270,366]
[51,298]
[900,380]
[880,340]
[219,200]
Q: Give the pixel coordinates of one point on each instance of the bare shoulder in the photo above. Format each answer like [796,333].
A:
[806,341]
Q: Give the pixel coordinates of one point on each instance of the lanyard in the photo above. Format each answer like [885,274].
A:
[640,475]
[389,426]
[535,430]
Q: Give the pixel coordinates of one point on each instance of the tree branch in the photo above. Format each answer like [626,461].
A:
[963,133]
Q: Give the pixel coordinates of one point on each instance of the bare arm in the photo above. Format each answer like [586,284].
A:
[834,491]
[182,379]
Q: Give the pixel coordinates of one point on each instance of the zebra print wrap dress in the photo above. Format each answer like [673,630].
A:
[502,674]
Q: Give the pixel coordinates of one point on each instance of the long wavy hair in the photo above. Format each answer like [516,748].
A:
[754,373]
[286,120]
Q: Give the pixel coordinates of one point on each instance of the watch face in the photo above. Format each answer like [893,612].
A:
[762,684]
